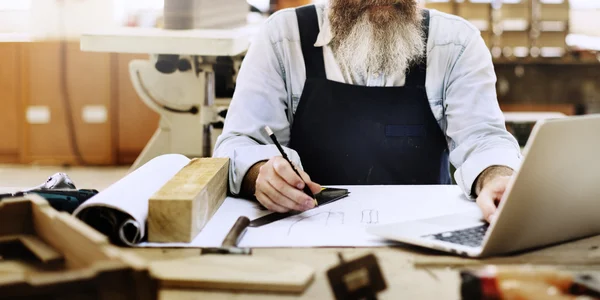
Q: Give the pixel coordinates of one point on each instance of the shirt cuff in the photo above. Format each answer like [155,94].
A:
[465,175]
[243,158]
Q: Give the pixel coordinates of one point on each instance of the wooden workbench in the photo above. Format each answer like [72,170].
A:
[411,273]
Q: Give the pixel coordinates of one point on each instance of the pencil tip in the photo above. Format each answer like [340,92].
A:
[268,130]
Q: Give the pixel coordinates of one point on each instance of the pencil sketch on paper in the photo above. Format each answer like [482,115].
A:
[332,217]
[370,216]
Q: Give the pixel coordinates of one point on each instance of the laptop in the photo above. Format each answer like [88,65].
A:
[554,197]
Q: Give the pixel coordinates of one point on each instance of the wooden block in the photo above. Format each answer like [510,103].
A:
[240,273]
[567,109]
[180,209]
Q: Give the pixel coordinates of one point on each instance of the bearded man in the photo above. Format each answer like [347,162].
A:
[366,92]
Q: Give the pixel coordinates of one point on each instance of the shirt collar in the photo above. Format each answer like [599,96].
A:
[325,36]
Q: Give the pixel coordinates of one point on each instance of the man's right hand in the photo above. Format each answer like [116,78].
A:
[278,188]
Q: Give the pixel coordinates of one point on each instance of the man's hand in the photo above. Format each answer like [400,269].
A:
[277,187]
[490,187]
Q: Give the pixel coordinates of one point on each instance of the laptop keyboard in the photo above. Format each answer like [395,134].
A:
[472,237]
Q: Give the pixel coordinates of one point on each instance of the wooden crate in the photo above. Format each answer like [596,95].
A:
[45,254]
[551,44]
[10,117]
[88,87]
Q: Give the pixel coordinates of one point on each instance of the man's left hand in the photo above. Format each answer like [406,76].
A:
[490,187]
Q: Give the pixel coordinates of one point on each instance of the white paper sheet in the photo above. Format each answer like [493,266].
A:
[338,224]
[130,195]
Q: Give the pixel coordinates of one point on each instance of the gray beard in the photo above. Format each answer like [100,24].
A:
[390,50]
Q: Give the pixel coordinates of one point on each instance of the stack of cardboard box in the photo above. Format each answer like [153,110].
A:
[447,6]
[515,28]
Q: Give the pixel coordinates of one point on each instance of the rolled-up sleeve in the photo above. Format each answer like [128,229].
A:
[260,99]
[476,127]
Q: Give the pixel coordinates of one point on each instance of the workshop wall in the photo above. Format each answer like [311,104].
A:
[10,99]
[111,125]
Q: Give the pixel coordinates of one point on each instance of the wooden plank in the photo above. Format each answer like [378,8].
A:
[281,4]
[41,65]
[14,267]
[233,273]
[582,252]
[180,209]
[90,90]
[50,143]
[40,249]
[5,239]
[63,232]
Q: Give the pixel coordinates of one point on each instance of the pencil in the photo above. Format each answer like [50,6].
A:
[274,138]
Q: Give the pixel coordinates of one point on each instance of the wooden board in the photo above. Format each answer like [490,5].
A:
[180,209]
[405,279]
[136,122]
[61,231]
[15,218]
[233,273]
[41,250]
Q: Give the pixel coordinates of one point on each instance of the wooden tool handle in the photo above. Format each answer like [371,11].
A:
[236,232]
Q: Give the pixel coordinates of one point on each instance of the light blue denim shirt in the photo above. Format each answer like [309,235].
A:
[460,86]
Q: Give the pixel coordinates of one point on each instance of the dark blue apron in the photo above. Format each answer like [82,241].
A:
[356,135]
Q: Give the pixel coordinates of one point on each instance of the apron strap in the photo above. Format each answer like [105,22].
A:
[417,72]
[308,25]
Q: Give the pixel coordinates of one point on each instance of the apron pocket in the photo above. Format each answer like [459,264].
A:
[404,130]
